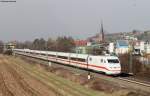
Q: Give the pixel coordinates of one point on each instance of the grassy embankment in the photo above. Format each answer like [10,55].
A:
[59,85]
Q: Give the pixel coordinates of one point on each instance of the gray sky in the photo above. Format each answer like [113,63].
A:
[29,19]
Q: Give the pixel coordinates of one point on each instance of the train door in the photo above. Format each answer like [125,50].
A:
[91,62]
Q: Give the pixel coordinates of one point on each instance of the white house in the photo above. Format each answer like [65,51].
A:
[111,48]
[141,47]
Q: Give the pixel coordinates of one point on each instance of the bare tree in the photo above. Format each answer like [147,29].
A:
[51,45]
[35,44]
[28,44]
[1,46]
[65,44]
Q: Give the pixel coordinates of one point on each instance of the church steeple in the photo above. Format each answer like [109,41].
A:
[102,33]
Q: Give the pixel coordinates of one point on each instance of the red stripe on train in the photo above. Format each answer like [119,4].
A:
[85,64]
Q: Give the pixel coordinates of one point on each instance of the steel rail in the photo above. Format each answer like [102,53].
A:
[134,81]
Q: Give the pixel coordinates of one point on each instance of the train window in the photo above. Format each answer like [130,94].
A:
[63,57]
[74,59]
[113,61]
[43,54]
[90,59]
[51,55]
[78,59]
[102,60]
[81,60]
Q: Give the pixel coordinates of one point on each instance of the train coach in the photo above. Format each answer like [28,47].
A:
[101,63]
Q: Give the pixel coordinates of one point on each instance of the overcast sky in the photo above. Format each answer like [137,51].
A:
[30,19]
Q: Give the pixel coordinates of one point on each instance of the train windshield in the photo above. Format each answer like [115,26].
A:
[113,61]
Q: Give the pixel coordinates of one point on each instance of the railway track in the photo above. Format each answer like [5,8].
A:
[143,83]
[121,78]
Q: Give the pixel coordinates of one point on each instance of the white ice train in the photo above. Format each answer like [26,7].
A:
[107,64]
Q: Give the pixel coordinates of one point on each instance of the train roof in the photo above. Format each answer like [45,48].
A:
[74,55]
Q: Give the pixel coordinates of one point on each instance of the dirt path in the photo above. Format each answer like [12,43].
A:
[15,83]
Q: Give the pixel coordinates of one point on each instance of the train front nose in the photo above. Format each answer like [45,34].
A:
[115,69]
[116,72]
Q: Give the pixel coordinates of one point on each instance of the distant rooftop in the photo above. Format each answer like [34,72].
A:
[122,43]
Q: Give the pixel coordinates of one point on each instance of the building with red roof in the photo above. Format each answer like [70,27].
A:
[80,43]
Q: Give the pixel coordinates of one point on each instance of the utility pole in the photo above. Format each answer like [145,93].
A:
[49,62]
[131,60]
[130,70]
[89,74]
